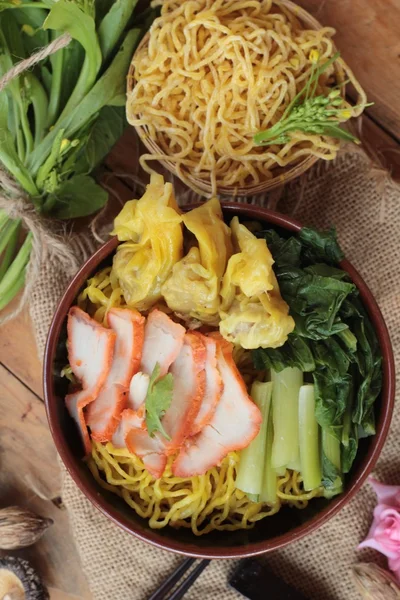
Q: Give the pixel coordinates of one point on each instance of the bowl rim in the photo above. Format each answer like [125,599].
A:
[253,548]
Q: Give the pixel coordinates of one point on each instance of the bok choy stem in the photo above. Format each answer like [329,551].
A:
[309,439]
[252,459]
[285,407]
[269,485]
[280,471]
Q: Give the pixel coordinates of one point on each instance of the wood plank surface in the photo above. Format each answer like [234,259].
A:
[369,41]
[18,352]
[29,469]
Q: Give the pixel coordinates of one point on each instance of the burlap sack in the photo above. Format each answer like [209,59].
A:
[364,205]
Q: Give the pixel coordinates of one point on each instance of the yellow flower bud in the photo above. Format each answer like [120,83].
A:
[314,56]
[345,114]
[28,29]
[294,62]
[64,144]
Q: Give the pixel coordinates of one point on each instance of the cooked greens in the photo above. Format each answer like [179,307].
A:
[333,340]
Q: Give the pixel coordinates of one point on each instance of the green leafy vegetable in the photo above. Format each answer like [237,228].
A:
[320,246]
[158,400]
[333,337]
[77,197]
[113,25]
[106,130]
[68,17]
[295,352]
[60,119]
[331,465]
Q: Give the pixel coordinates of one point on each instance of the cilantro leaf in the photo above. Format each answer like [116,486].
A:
[158,400]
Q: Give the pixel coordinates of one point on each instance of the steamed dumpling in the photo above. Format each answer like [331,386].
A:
[152,231]
[193,288]
[253,313]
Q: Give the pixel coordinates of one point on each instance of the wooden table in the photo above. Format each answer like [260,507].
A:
[369,40]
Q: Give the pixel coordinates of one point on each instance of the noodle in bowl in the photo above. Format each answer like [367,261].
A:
[204,503]
[120,487]
[210,75]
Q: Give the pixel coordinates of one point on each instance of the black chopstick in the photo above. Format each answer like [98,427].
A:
[190,579]
[168,584]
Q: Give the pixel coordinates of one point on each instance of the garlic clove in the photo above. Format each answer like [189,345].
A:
[20,528]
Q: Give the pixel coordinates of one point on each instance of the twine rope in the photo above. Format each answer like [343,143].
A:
[27,63]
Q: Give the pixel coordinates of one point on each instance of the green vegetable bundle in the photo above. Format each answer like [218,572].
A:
[59,119]
[333,340]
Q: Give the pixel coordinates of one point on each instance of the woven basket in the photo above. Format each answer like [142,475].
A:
[281,174]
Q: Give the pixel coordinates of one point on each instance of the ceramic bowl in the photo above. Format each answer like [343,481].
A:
[268,534]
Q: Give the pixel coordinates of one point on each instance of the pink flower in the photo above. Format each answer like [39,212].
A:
[384,534]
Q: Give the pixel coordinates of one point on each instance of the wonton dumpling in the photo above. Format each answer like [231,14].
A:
[152,231]
[193,289]
[253,313]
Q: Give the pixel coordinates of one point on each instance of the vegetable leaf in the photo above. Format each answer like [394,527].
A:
[286,252]
[330,474]
[110,85]
[321,246]
[349,451]
[73,56]
[315,300]
[333,337]
[77,197]
[113,25]
[294,353]
[106,130]
[158,400]
[68,17]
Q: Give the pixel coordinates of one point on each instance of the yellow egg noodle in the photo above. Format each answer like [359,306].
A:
[203,503]
[216,72]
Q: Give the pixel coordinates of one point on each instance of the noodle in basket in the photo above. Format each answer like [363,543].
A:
[211,74]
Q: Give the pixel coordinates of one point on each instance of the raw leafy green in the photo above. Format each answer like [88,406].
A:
[78,197]
[158,400]
[333,337]
[59,119]
[113,25]
[68,17]
[106,130]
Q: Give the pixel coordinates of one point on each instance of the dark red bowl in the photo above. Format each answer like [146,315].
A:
[269,534]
